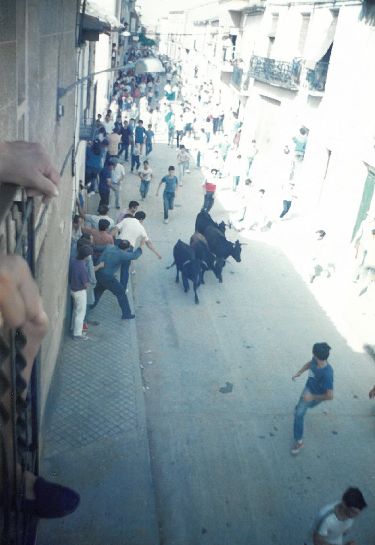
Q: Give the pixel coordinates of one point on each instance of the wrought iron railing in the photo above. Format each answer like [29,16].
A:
[18,406]
[282,73]
[317,78]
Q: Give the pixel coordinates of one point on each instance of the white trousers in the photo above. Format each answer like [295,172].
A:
[79,311]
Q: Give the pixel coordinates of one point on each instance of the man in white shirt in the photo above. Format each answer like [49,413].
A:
[132,229]
[335,520]
[145,174]
[118,176]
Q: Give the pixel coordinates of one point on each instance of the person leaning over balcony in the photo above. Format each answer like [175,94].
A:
[21,308]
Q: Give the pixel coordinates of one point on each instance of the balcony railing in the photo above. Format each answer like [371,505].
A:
[317,78]
[281,73]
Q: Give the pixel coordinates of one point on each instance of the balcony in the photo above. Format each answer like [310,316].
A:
[316,79]
[237,77]
[281,73]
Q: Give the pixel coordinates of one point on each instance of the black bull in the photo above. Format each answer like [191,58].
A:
[189,266]
[222,248]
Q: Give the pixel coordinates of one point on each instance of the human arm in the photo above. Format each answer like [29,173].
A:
[129,255]
[99,266]
[159,186]
[151,247]
[28,165]
[302,370]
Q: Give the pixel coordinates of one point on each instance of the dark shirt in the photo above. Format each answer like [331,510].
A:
[320,378]
[113,257]
[78,275]
[104,174]
[126,135]
[170,183]
[149,136]
[140,133]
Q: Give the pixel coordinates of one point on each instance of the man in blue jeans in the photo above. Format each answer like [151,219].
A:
[318,388]
[170,190]
[113,257]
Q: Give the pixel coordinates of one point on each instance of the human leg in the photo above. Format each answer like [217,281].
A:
[114,286]
[299,416]
[79,311]
[166,205]
[124,274]
[286,206]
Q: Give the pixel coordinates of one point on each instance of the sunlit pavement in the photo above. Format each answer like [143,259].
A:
[219,395]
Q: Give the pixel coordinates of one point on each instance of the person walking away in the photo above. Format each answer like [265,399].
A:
[336,519]
[171,130]
[237,172]
[105,182]
[149,139]
[140,136]
[93,165]
[322,257]
[125,141]
[170,191]
[251,156]
[135,161]
[146,176]
[114,140]
[288,194]
[183,159]
[79,281]
[179,126]
[209,187]
[118,177]
[300,142]
[113,257]
[318,388]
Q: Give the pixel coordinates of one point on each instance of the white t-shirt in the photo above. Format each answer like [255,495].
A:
[132,230]
[93,220]
[330,527]
[118,173]
[145,174]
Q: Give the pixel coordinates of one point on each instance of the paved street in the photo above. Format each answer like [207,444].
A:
[217,402]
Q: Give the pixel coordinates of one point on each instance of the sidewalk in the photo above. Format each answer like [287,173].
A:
[95,438]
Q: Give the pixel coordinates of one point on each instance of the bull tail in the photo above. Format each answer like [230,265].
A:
[170,266]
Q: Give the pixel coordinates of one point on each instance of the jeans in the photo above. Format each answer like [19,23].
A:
[286,206]
[104,197]
[113,285]
[145,186]
[208,201]
[299,415]
[124,274]
[182,168]
[116,188]
[215,124]
[135,162]
[236,181]
[168,201]
[198,161]
[79,311]
[124,148]
[170,136]
[148,148]
[179,134]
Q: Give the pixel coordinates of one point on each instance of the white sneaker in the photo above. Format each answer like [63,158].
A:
[297,447]
[165,221]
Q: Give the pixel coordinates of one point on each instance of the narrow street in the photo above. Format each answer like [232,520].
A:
[219,394]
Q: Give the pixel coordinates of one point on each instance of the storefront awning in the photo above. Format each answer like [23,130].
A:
[149,65]
[97,8]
